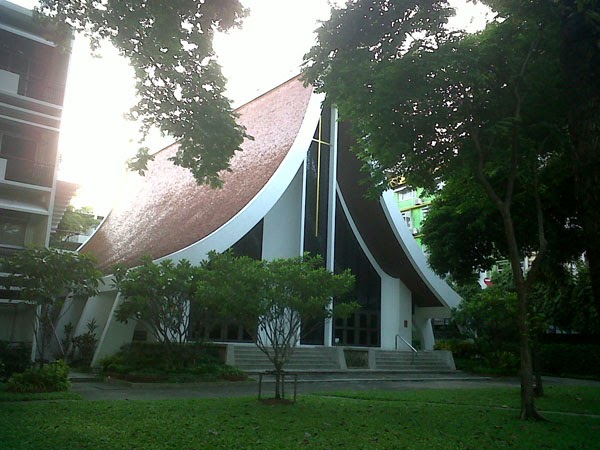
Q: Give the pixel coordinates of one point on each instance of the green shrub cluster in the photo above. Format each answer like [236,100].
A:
[460,348]
[568,359]
[52,377]
[176,362]
[479,357]
[14,358]
[555,358]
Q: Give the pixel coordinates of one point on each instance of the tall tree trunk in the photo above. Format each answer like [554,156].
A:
[537,369]
[528,410]
[278,381]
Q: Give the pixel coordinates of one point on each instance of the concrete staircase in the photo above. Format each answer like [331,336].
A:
[314,359]
[432,361]
[331,359]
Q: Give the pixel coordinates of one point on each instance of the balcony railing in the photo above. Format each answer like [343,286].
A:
[7,252]
[41,90]
[28,171]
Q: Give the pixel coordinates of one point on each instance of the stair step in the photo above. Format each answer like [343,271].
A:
[308,359]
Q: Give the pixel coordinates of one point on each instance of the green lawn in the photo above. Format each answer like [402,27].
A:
[423,419]
[6,396]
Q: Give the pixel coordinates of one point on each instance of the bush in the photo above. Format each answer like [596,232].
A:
[49,378]
[14,358]
[460,348]
[84,345]
[151,362]
[567,359]
[176,357]
[473,356]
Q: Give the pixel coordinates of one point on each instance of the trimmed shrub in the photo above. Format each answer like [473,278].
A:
[356,359]
[151,362]
[567,359]
[172,358]
[14,358]
[460,348]
[52,377]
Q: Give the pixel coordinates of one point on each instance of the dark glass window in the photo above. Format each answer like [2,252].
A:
[317,190]
[316,210]
[250,245]
[13,228]
[30,154]
[42,69]
[363,327]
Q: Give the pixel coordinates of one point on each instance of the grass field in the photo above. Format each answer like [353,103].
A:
[423,419]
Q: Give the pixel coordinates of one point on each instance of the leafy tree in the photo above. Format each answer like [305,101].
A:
[160,296]
[435,106]
[567,299]
[273,299]
[464,234]
[73,223]
[46,277]
[488,316]
[179,84]
[580,64]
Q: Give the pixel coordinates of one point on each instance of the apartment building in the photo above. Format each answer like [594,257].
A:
[33,71]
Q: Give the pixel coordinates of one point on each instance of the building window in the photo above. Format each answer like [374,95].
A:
[41,69]
[407,194]
[28,160]
[362,328]
[13,229]
[17,147]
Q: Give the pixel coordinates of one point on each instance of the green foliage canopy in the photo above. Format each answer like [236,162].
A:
[75,221]
[272,300]
[179,84]
[46,277]
[435,106]
[160,295]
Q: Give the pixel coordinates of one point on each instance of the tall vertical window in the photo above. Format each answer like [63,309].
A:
[317,208]
[363,327]
[317,188]
[251,246]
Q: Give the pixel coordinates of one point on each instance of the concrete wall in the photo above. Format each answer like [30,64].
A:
[282,226]
[114,334]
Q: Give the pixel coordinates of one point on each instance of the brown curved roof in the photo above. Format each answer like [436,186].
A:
[166,211]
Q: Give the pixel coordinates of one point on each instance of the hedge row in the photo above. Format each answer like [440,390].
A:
[567,359]
[555,359]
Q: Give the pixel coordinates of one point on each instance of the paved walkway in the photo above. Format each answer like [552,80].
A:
[117,390]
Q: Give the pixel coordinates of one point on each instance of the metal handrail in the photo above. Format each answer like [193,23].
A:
[406,342]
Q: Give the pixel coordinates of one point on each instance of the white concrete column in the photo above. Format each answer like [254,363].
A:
[330,262]
[114,334]
[283,224]
[423,326]
[422,321]
[396,312]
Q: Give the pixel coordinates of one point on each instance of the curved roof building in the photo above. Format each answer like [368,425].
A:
[295,187]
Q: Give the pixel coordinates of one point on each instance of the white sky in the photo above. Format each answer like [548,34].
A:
[96,140]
